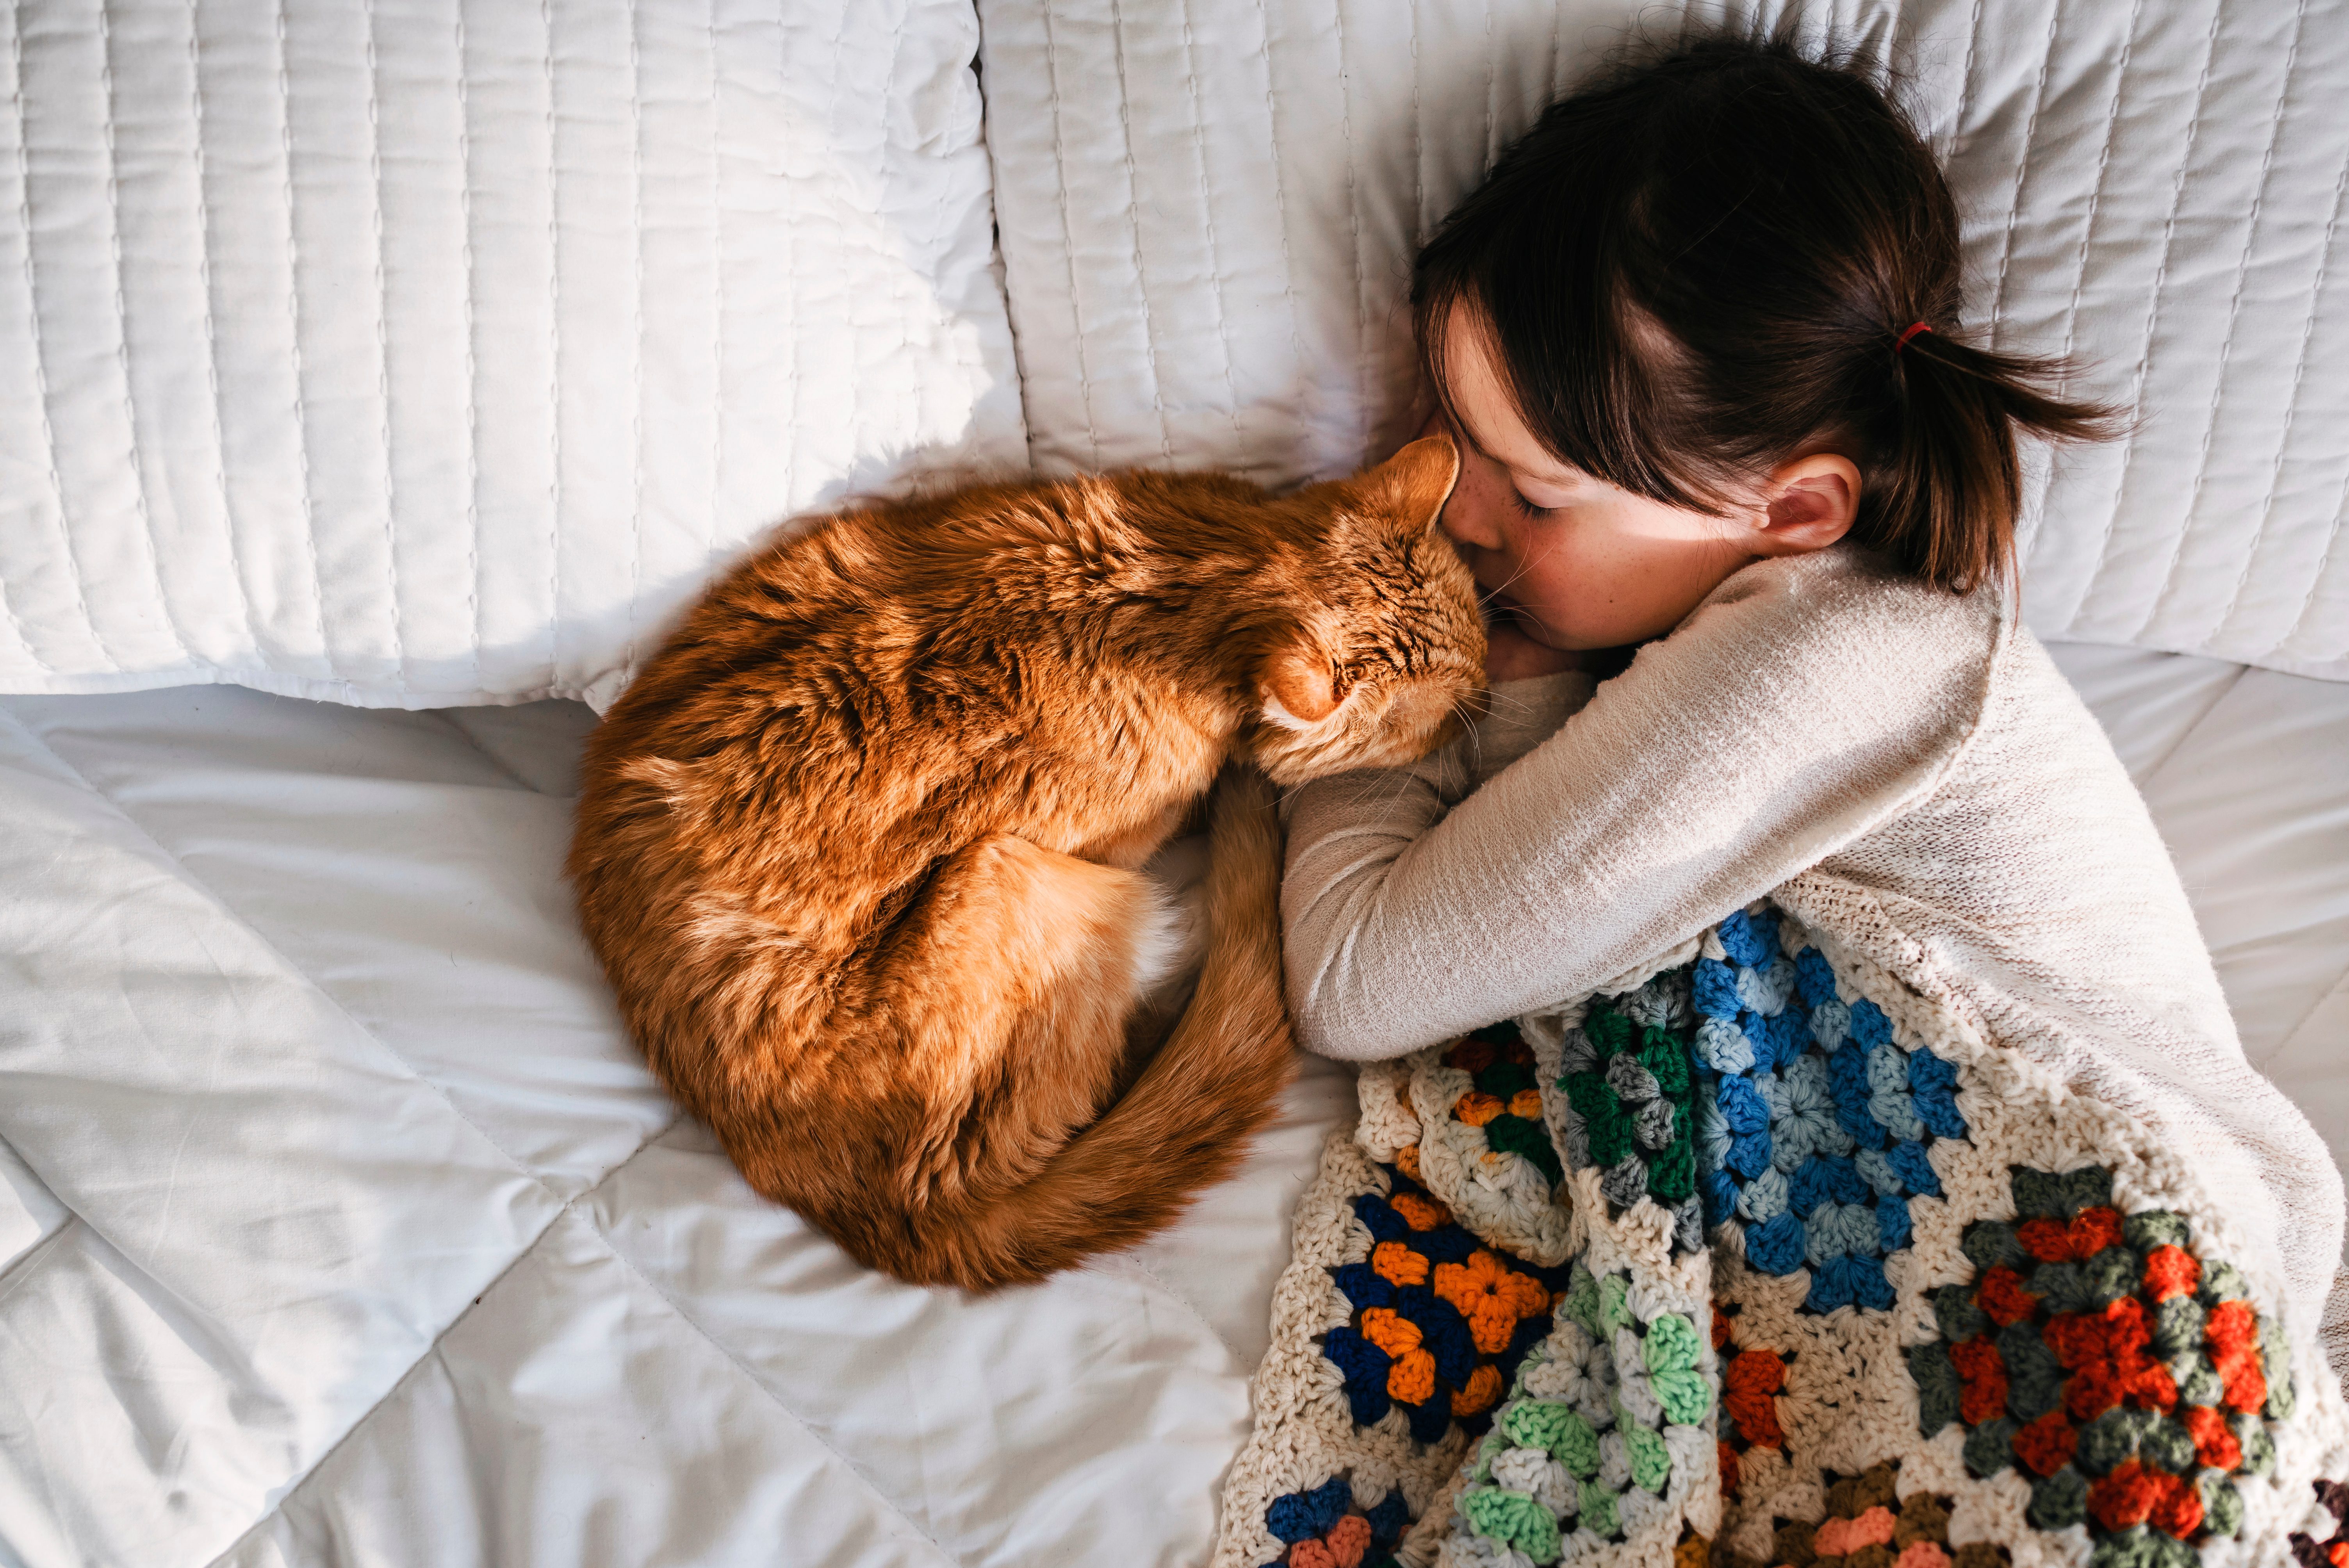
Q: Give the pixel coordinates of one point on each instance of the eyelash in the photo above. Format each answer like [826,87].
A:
[1529,508]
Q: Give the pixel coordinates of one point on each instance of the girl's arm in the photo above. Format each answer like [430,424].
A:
[1802,705]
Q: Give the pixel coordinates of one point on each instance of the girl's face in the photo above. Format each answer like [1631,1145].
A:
[1576,563]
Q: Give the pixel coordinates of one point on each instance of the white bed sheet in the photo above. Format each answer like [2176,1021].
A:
[2247,773]
[339,1222]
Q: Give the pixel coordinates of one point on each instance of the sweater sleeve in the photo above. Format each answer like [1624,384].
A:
[1802,704]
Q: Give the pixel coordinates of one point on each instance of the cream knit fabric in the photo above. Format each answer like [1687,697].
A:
[1900,768]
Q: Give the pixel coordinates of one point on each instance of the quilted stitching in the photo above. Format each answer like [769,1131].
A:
[109,1145]
[408,356]
[458,1351]
[2170,577]
[112,1239]
[671,1321]
[2315,576]
[35,361]
[2146,185]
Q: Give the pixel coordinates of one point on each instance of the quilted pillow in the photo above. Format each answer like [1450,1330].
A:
[1209,212]
[413,355]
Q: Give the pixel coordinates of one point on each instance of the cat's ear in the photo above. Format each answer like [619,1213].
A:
[1410,487]
[1301,686]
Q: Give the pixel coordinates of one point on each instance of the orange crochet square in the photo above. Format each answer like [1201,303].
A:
[1491,1297]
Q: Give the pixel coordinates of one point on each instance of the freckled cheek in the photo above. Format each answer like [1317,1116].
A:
[1623,584]
[1588,582]
[1556,578]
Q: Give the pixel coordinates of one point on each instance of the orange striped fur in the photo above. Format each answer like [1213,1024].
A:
[859,850]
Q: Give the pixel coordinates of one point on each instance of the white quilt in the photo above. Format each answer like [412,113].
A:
[340,1223]
[343,1225]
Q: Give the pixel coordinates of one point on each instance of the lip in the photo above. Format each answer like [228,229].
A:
[1500,609]
[1498,605]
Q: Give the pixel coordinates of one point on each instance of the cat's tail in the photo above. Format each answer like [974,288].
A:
[1189,1115]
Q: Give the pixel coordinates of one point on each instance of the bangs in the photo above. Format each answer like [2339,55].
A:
[1547,286]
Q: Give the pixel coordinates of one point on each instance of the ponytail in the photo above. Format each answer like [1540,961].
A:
[1941,496]
[1689,268]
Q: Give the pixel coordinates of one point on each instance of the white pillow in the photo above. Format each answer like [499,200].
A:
[408,355]
[1208,213]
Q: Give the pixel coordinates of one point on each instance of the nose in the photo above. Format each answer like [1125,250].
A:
[1468,516]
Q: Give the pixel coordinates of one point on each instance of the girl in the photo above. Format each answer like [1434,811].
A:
[1697,336]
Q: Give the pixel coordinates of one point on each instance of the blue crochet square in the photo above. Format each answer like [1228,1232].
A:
[1813,1119]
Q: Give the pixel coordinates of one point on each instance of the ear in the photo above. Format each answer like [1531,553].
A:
[1808,504]
[1413,486]
[1299,685]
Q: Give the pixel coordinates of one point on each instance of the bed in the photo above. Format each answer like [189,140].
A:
[339,1221]
[353,1178]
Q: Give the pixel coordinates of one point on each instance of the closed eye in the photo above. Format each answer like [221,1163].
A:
[1527,507]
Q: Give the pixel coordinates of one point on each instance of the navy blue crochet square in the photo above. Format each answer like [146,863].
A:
[1812,1122]
[1319,1514]
[1400,1312]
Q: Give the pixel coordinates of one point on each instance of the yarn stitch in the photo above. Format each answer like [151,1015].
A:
[1869,1525]
[2333,1550]
[1815,1123]
[1436,1322]
[1322,1528]
[2121,1373]
[1940,1310]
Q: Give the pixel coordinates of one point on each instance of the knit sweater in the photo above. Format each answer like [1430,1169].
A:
[1899,766]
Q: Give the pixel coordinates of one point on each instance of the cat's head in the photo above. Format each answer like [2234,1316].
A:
[1385,657]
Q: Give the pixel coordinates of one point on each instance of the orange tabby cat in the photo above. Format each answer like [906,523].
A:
[858,849]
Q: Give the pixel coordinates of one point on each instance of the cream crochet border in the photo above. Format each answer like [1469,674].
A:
[1305,1433]
[1849,1402]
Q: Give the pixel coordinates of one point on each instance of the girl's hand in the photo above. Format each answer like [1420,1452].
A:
[1511,655]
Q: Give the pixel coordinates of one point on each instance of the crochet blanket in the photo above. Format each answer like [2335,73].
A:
[1763,1258]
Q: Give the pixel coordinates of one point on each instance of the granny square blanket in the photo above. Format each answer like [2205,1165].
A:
[1763,1258]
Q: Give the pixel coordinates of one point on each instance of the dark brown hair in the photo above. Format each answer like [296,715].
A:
[1702,263]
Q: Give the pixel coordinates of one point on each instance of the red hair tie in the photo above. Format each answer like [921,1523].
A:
[1902,342]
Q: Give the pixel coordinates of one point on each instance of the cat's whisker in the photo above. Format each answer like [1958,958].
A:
[1486,595]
